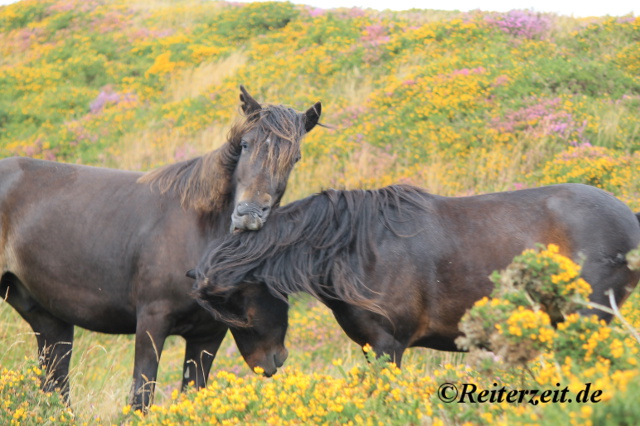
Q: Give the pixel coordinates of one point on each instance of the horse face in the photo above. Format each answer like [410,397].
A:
[257,319]
[261,343]
[261,179]
[268,152]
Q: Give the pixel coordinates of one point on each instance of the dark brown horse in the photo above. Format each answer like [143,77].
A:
[399,267]
[106,249]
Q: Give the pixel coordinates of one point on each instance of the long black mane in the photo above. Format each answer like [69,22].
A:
[318,245]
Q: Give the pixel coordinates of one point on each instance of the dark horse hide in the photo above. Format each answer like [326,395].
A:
[106,249]
[399,267]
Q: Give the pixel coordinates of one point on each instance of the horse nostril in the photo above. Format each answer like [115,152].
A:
[252,209]
[242,209]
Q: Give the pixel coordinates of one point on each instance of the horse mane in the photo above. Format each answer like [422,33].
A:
[319,245]
[205,183]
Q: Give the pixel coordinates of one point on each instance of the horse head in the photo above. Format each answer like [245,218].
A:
[268,146]
[248,174]
[257,319]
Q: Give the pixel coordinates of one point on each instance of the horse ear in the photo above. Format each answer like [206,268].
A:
[191,273]
[249,105]
[312,116]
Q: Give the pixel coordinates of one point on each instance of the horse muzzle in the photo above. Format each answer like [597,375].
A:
[249,217]
[271,361]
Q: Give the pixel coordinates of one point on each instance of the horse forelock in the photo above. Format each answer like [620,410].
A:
[320,245]
[287,125]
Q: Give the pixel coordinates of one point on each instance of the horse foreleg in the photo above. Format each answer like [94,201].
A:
[151,331]
[199,356]
[54,336]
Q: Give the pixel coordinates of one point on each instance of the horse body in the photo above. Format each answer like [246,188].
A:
[103,250]
[399,267]
[463,240]
[42,215]
[92,247]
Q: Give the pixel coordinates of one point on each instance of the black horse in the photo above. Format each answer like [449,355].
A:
[106,249]
[399,267]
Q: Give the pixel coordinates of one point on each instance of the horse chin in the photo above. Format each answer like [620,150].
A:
[245,223]
[267,374]
[267,371]
[269,363]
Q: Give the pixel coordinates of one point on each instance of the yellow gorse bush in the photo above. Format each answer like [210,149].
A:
[528,324]
[582,350]
[294,397]
[22,402]
[567,278]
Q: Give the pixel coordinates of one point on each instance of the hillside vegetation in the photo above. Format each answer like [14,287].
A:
[459,103]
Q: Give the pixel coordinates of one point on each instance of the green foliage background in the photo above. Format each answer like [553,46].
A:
[422,96]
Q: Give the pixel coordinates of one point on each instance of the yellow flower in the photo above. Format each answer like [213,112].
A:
[482,302]
[586,411]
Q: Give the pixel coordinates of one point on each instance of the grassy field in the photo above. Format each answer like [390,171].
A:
[459,103]
[102,364]
[320,353]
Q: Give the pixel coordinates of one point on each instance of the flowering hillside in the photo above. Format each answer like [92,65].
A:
[426,97]
[459,103]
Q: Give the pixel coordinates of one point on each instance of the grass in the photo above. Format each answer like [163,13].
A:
[614,132]
[150,148]
[102,365]
[194,81]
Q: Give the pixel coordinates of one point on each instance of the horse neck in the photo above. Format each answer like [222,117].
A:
[216,223]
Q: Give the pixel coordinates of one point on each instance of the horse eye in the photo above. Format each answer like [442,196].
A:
[244,145]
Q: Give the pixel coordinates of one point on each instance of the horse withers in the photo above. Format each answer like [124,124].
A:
[106,249]
[399,267]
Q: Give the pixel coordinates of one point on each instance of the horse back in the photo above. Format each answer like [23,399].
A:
[577,218]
